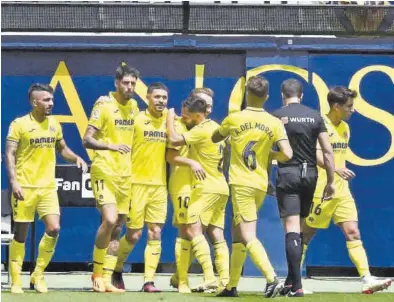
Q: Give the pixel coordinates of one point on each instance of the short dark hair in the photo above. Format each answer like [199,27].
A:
[124,70]
[258,86]
[39,87]
[340,95]
[292,88]
[204,90]
[195,104]
[157,85]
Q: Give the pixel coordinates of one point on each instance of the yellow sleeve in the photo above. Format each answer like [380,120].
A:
[14,132]
[178,129]
[280,132]
[224,129]
[195,135]
[59,132]
[98,116]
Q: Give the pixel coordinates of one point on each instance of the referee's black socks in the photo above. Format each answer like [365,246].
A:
[294,254]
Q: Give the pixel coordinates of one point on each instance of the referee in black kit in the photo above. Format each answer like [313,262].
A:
[296,179]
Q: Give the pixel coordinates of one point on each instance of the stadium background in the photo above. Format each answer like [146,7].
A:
[81,68]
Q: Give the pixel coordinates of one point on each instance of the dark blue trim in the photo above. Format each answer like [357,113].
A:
[192,42]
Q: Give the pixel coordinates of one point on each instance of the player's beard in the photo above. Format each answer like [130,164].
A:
[48,111]
[127,95]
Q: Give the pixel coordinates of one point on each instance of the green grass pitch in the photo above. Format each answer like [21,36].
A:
[73,296]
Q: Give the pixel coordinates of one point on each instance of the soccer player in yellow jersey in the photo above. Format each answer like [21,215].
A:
[253,133]
[342,208]
[149,192]
[180,191]
[110,134]
[208,197]
[32,142]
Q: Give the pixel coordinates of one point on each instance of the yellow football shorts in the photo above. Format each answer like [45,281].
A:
[246,203]
[339,209]
[112,190]
[180,203]
[42,200]
[208,207]
[148,204]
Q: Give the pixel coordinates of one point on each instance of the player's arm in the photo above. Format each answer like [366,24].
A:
[226,154]
[285,152]
[223,131]
[325,159]
[271,187]
[174,158]
[217,137]
[90,142]
[174,137]
[10,160]
[70,156]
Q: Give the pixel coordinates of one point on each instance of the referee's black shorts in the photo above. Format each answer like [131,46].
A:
[294,192]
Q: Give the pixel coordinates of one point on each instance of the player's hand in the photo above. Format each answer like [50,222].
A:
[198,171]
[329,191]
[345,173]
[81,164]
[122,149]
[17,191]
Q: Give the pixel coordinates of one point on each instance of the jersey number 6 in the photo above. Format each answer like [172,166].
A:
[249,156]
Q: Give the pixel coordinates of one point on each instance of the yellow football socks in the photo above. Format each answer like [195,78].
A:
[46,249]
[98,260]
[108,267]
[152,258]
[203,254]
[358,256]
[124,251]
[17,254]
[222,261]
[238,257]
[260,259]
[183,260]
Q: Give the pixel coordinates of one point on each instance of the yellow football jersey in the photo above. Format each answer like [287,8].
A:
[180,179]
[253,133]
[115,124]
[36,153]
[339,139]
[209,155]
[149,149]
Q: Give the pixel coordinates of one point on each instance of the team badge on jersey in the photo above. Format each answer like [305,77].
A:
[52,129]
[345,135]
[96,114]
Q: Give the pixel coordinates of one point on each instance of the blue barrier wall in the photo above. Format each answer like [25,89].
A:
[81,76]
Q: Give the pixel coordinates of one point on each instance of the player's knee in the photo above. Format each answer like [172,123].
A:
[154,232]
[109,222]
[133,237]
[353,233]
[215,234]
[53,230]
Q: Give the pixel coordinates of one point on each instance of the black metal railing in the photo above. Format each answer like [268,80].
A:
[185,17]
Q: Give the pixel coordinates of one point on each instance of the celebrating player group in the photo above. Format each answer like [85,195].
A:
[129,180]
